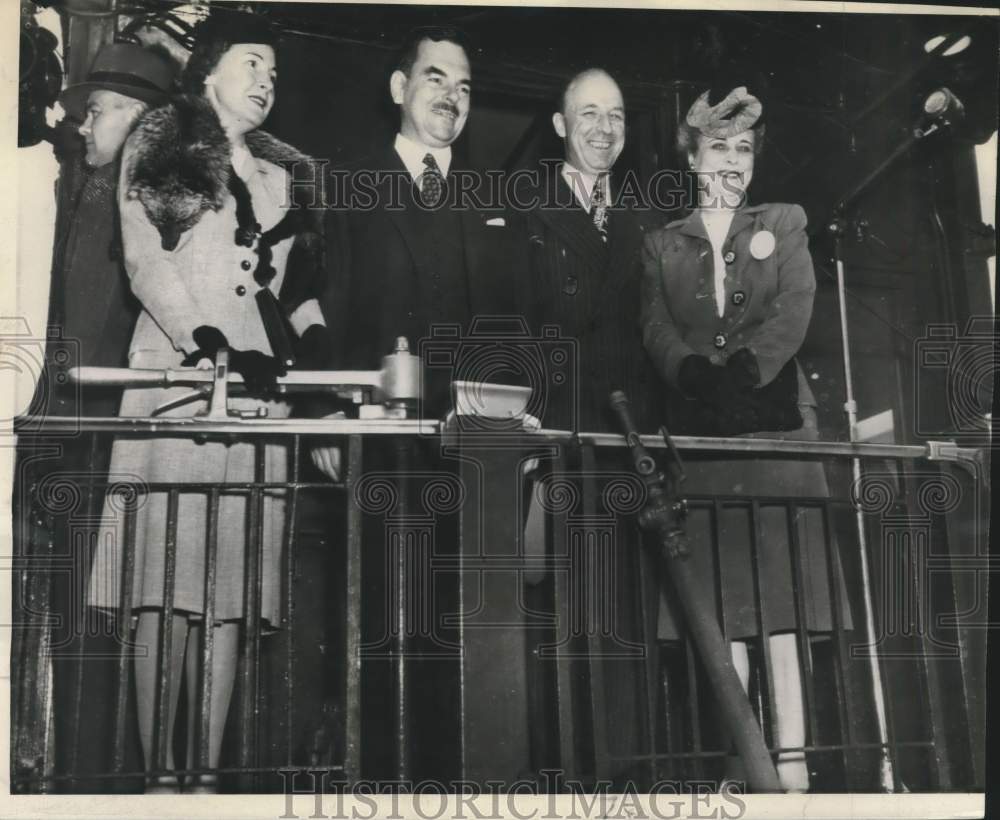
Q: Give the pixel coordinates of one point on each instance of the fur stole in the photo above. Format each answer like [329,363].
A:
[180,168]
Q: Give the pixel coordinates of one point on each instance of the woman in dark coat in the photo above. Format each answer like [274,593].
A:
[727,298]
[207,232]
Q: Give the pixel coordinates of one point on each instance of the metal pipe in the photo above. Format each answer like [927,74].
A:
[659,515]
[428,427]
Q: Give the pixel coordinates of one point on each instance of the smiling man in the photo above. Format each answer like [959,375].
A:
[585,261]
[592,125]
[424,253]
[583,277]
[416,257]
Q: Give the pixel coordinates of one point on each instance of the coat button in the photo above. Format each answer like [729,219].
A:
[240,290]
[245,264]
[720,340]
[571,286]
[729,258]
[739,297]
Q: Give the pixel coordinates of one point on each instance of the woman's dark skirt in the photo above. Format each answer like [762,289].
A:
[727,484]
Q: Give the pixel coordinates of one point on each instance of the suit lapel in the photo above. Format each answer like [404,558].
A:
[575,227]
[624,240]
[743,220]
[402,217]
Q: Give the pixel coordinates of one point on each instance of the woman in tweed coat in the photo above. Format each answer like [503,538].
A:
[205,226]
[727,298]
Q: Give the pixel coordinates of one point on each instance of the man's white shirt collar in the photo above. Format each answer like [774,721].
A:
[582,184]
[413,153]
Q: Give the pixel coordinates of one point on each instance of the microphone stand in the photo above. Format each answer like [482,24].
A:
[836,228]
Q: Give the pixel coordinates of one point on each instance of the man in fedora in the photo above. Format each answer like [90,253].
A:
[90,299]
[92,306]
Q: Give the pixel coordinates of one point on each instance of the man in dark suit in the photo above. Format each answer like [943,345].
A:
[584,278]
[414,249]
[90,303]
[585,262]
[424,253]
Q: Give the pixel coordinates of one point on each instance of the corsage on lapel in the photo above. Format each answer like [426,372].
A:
[762,244]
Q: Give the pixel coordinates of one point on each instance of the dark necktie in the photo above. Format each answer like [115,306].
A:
[431,182]
[599,207]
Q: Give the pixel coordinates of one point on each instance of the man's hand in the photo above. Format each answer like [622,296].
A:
[327,461]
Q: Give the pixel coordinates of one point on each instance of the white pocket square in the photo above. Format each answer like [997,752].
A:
[497,220]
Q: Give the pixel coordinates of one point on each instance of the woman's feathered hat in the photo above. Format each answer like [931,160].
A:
[733,104]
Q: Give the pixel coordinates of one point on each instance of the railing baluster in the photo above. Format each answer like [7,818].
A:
[161,735]
[694,708]
[203,710]
[715,513]
[406,545]
[124,628]
[352,593]
[648,604]
[756,537]
[288,573]
[793,512]
[79,561]
[250,662]
[33,650]
[564,568]
[595,642]
[841,687]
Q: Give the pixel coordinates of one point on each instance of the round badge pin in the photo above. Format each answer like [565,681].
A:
[762,244]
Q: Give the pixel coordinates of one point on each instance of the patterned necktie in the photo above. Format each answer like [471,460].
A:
[599,208]
[431,182]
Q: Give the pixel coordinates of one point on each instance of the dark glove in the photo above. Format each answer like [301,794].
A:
[773,407]
[702,380]
[314,348]
[738,416]
[259,371]
[742,365]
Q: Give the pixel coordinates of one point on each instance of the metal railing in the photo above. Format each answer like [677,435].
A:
[485,648]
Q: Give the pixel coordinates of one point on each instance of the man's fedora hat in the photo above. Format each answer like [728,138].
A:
[126,68]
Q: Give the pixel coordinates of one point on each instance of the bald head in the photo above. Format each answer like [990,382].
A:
[592,121]
[597,74]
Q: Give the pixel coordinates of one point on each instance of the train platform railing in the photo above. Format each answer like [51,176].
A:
[461,654]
